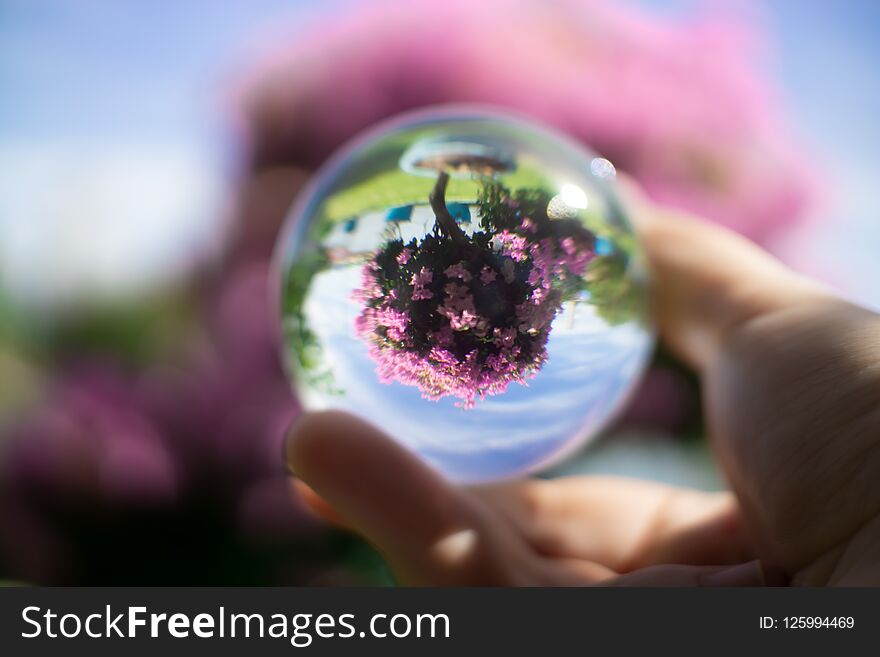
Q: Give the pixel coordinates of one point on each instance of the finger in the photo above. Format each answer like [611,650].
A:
[427,529]
[752,573]
[707,279]
[622,523]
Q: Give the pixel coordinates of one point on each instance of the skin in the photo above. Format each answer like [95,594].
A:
[791,382]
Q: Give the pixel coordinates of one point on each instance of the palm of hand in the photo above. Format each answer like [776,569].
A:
[575,531]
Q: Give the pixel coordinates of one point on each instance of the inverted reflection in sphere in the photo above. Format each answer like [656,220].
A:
[470,284]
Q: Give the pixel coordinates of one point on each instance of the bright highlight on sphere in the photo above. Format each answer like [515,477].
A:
[573,196]
[469,283]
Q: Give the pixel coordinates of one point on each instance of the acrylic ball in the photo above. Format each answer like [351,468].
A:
[469,283]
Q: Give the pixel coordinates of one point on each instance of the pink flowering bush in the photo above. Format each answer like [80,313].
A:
[681,104]
[465,316]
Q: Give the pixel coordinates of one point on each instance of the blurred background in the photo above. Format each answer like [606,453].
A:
[150,151]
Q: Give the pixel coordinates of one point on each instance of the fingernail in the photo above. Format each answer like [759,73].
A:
[750,573]
[288,469]
[285,461]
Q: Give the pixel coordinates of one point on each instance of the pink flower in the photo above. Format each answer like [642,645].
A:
[403,257]
[458,270]
[419,281]
[369,284]
[459,308]
[393,321]
[442,373]
[422,278]
[504,337]
[512,245]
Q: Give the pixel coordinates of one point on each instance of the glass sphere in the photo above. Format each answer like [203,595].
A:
[469,283]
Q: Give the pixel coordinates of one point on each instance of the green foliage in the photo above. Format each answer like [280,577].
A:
[614,292]
[500,210]
[304,346]
[131,332]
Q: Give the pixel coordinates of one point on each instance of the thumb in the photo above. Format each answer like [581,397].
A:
[426,528]
[706,279]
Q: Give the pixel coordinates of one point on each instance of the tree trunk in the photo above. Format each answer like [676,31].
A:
[445,220]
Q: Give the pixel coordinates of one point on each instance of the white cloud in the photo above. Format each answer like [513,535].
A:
[80,220]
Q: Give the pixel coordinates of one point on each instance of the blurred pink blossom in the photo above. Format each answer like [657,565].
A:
[191,444]
[92,444]
[677,103]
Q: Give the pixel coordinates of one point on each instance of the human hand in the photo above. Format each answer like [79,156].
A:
[791,386]
[791,380]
